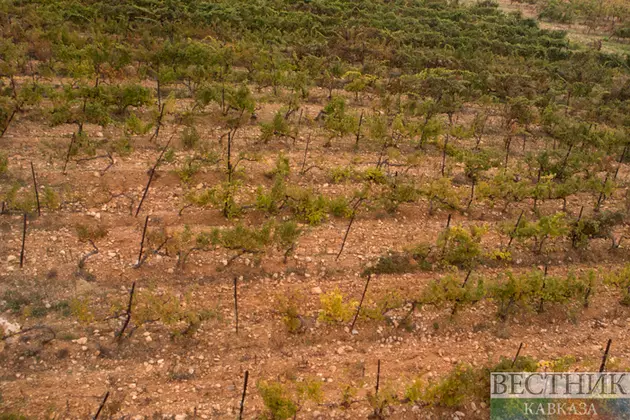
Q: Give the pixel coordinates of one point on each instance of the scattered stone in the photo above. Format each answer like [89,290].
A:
[9,327]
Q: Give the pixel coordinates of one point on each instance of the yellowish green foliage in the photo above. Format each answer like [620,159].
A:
[442,193]
[334,309]
[620,278]
[169,309]
[282,403]
[461,247]
[18,198]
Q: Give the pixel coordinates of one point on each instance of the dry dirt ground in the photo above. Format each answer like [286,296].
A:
[158,373]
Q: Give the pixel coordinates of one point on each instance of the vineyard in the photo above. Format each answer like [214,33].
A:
[602,25]
[306,209]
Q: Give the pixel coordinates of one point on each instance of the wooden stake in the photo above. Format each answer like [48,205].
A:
[602,196]
[240,413]
[515,228]
[128,314]
[518,352]
[39,209]
[23,242]
[229,156]
[542,299]
[74,136]
[308,141]
[345,237]
[146,189]
[448,132]
[236,303]
[356,144]
[602,367]
[367,283]
[446,229]
[158,123]
[574,238]
[472,194]
[144,233]
[444,156]
[100,407]
[580,215]
[8,122]
[508,142]
[564,161]
[537,182]
[463,285]
[378,377]
[297,131]
[623,155]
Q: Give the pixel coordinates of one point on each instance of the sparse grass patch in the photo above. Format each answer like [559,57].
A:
[92,232]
